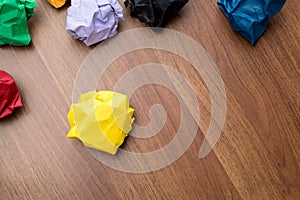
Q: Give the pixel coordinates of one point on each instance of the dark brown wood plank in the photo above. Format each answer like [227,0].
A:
[257,156]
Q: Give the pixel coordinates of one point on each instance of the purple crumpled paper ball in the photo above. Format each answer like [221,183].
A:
[92,21]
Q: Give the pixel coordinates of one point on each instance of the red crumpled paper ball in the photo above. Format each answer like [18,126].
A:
[9,95]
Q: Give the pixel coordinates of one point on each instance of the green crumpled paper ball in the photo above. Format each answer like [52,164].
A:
[13,21]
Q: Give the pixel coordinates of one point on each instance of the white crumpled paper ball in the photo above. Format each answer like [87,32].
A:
[92,21]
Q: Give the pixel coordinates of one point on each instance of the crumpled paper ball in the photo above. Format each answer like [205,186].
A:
[101,120]
[9,95]
[250,17]
[157,13]
[13,21]
[57,3]
[92,21]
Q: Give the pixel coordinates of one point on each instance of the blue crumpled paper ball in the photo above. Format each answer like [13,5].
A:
[250,17]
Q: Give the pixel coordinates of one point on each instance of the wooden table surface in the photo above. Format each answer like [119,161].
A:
[256,157]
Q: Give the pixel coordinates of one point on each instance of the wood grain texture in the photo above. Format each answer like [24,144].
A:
[256,157]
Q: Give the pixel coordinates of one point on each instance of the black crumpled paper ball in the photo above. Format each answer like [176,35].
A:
[157,13]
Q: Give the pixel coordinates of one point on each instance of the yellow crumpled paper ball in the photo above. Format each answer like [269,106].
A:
[57,3]
[101,120]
